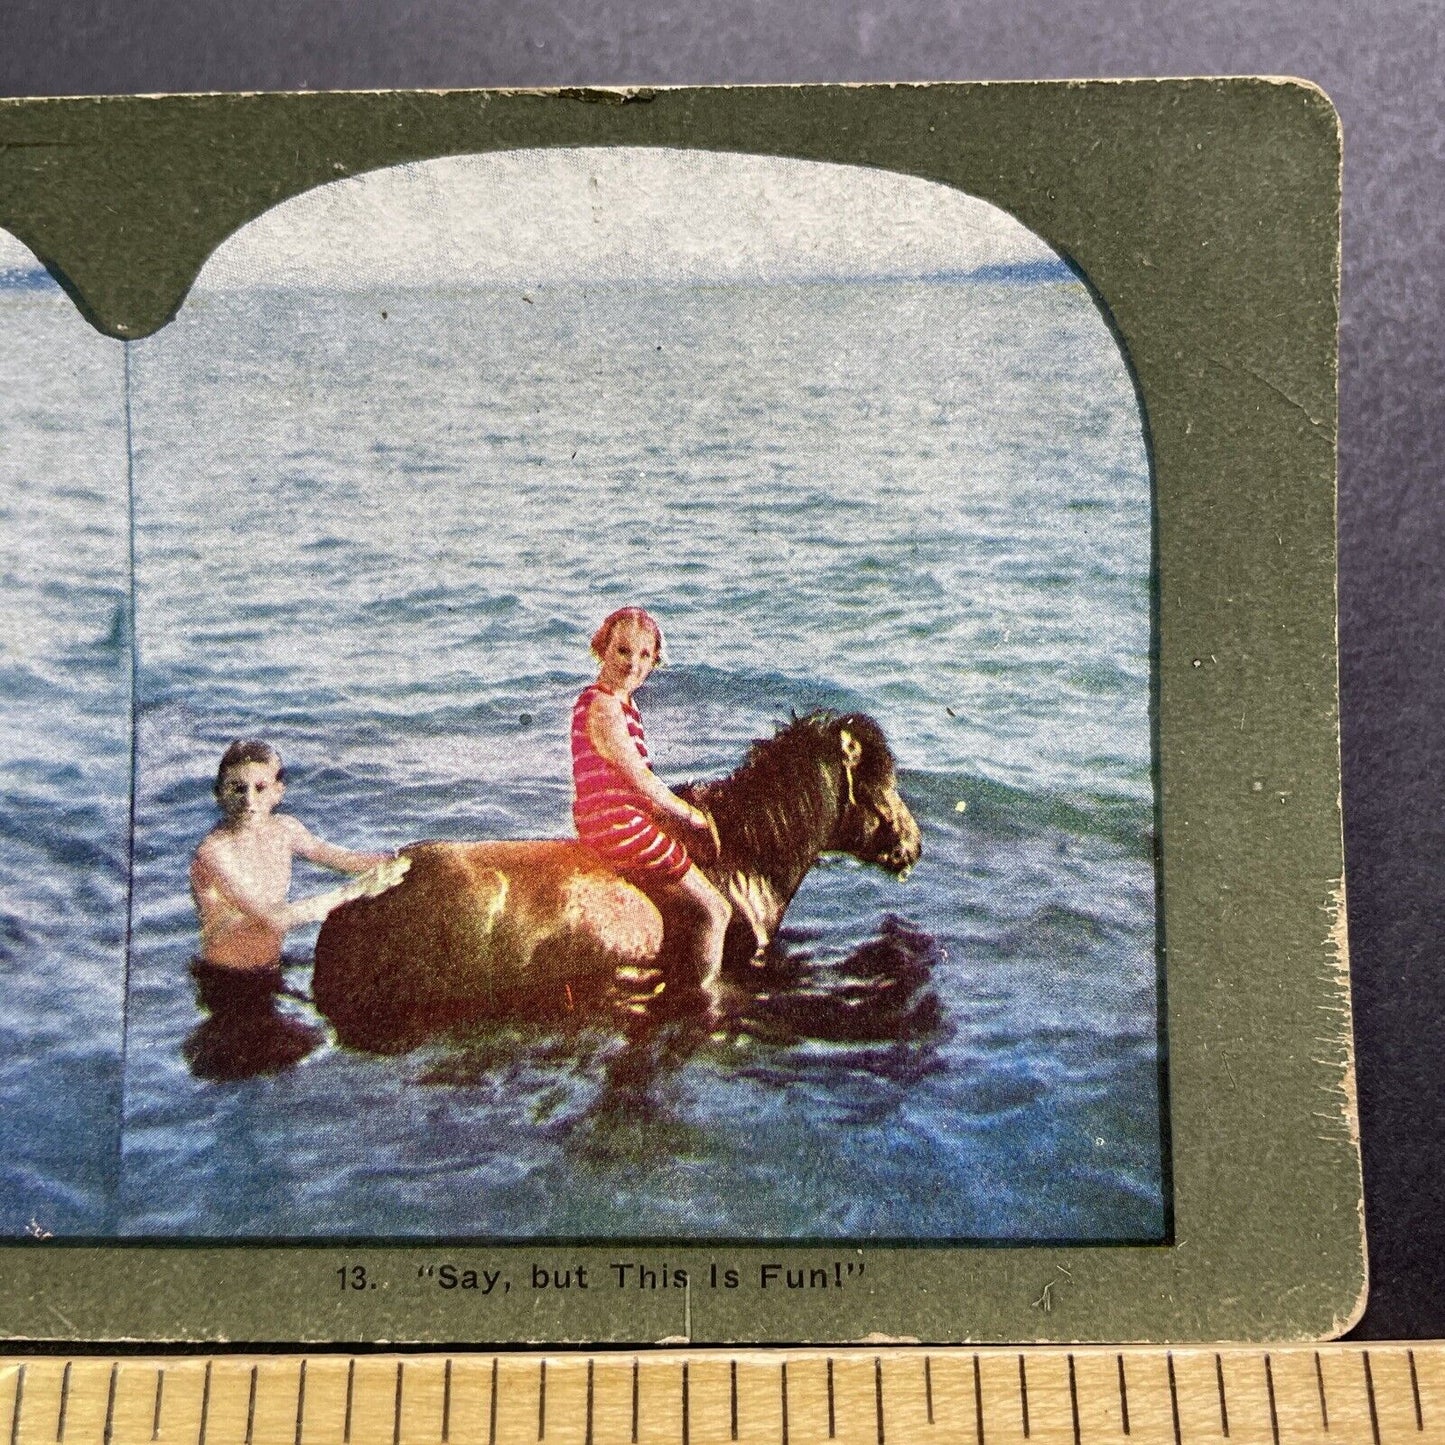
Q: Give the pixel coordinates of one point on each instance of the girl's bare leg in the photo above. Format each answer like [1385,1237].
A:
[705,913]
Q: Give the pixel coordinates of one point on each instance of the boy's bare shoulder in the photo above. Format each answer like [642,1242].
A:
[209,851]
[294,830]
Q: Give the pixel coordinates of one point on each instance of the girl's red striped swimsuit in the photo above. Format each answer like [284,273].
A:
[611,816]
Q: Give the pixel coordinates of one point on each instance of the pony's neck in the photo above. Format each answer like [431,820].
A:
[774,823]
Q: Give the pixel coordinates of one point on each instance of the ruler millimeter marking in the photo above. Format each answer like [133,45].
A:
[1287,1395]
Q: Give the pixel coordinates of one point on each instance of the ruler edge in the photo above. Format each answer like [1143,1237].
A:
[1371,1399]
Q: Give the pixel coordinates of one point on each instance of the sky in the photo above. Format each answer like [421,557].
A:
[610,215]
[14,255]
[617,215]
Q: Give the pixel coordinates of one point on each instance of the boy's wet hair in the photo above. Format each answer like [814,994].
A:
[248,750]
[639,615]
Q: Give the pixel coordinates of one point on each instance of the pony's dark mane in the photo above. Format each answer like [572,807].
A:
[783,801]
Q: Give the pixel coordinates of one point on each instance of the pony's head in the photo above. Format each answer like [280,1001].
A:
[874,823]
[824,783]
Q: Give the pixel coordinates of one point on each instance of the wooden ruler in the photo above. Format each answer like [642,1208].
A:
[998,1396]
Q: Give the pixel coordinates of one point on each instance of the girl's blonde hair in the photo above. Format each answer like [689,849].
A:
[640,615]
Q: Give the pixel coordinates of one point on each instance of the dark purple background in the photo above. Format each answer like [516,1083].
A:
[1382,63]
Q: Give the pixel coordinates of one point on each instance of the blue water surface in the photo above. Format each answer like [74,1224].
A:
[65,743]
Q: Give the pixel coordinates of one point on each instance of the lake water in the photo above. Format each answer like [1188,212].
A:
[65,744]
[378,530]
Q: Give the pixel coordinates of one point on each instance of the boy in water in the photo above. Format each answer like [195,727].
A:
[241,873]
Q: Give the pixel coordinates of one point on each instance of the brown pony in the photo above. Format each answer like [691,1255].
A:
[480,931]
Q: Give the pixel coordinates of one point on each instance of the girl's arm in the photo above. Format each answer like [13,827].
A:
[607,728]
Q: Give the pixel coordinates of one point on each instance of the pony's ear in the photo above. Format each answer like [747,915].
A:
[852,749]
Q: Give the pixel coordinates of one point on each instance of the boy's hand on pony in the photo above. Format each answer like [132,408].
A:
[383,876]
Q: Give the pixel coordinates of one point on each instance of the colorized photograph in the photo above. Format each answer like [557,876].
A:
[642,719]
